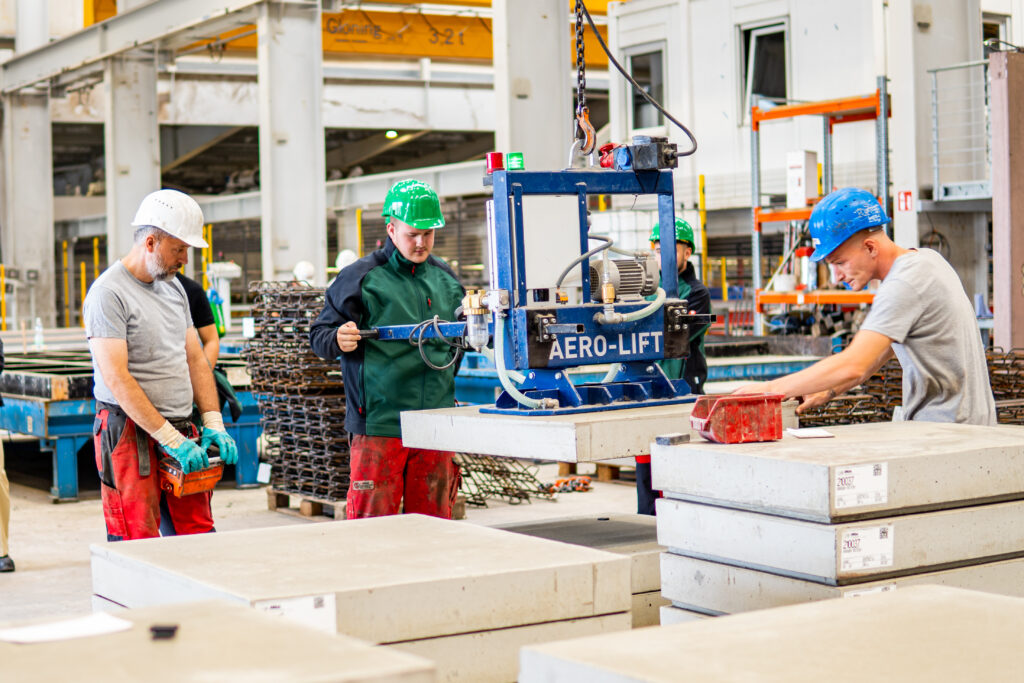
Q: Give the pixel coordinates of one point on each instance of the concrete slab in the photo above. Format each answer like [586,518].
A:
[646,608]
[384,579]
[868,470]
[100,604]
[493,656]
[582,437]
[672,614]
[635,536]
[215,641]
[724,589]
[847,552]
[921,634]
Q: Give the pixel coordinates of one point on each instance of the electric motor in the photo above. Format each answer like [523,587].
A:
[633,278]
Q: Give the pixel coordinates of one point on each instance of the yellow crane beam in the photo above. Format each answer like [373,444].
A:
[98,10]
[400,34]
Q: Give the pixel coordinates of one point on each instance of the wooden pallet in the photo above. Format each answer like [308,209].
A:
[605,472]
[314,507]
[309,506]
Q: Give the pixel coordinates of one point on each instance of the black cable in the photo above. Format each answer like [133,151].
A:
[416,339]
[639,88]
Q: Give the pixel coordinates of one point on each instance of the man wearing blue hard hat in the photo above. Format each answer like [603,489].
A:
[920,313]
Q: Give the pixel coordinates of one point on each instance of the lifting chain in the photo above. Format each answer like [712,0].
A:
[584,129]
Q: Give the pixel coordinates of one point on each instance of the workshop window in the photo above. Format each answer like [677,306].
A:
[647,67]
[764,56]
[994,32]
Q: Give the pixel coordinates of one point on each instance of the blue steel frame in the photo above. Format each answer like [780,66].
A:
[63,427]
[511,186]
[639,379]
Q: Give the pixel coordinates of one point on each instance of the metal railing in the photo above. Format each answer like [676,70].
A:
[961,132]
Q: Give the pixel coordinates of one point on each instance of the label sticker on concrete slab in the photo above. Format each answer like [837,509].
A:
[859,485]
[867,547]
[317,611]
[884,588]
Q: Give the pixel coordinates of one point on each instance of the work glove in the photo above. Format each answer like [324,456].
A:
[214,433]
[187,453]
[190,456]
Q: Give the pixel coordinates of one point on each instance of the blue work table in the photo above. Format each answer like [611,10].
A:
[64,426]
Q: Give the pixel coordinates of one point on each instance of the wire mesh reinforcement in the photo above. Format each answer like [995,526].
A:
[876,398]
[486,476]
[301,396]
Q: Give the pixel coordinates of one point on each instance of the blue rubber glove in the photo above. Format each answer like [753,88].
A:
[228,449]
[191,457]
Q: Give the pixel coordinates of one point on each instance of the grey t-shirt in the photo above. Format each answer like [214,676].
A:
[153,318]
[921,305]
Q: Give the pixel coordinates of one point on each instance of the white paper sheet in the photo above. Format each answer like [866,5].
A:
[810,433]
[81,627]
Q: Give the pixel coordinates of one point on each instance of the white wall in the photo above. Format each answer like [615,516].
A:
[831,54]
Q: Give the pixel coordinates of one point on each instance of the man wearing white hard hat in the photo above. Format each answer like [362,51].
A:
[149,367]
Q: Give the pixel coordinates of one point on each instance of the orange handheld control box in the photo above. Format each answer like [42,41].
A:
[174,480]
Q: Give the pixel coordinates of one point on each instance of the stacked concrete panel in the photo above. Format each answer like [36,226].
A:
[918,635]
[576,437]
[635,536]
[463,596]
[203,641]
[873,508]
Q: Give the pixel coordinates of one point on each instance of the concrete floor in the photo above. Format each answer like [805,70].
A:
[50,543]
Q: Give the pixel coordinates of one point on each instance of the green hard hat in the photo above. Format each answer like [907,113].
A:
[414,203]
[684,233]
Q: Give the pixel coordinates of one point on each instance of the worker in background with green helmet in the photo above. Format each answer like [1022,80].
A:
[694,368]
[398,284]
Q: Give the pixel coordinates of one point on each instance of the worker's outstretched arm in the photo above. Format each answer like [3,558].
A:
[867,352]
[343,303]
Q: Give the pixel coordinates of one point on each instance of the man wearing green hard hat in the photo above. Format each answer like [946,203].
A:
[398,284]
[694,368]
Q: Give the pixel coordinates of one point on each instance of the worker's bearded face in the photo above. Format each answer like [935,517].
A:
[165,258]
[413,244]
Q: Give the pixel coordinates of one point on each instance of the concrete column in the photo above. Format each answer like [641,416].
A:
[291,138]
[131,137]
[904,70]
[532,86]
[348,229]
[26,237]
[1006,69]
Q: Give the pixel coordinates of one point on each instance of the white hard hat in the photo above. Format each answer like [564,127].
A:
[175,213]
[304,270]
[345,258]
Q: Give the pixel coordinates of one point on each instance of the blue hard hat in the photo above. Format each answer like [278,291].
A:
[841,215]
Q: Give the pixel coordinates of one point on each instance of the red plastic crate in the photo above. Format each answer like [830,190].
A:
[738,419]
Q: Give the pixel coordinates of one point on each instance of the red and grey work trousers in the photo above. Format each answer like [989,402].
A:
[384,471]
[126,457]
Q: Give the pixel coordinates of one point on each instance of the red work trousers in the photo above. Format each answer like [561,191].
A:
[383,471]
[131,484]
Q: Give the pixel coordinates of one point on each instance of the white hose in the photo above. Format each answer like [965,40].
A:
[647,310]
[515,376]
[499,364]
[612,372]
